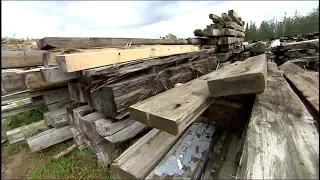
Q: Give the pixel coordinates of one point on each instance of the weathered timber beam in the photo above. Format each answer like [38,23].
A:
[49,138]
[279,113]
[306,82]
[22,58]
[247,77]
[71,42]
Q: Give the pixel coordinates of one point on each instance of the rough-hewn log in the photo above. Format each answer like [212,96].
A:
[23,58]
[246,77]
[226,17]
[77,91]
[56,96]
[12,82]
[306,82]
[215,18]
[234,16]
[107,127]
[117,97]
[49,138]
[278,114]
[71,42]
[198,32]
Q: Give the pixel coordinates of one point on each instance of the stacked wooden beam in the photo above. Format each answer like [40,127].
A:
[303,53]
[226,35]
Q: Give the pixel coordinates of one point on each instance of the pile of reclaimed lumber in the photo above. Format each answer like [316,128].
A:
[226,36]
[303,53]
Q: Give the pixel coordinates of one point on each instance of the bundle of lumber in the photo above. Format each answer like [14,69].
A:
[226,36]
[303,53]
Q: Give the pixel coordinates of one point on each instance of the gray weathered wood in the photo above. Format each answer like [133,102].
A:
[126,133]
[306,82]
[281,133]
[57,118]
[73,42]
[107,127]
[58,105]
[88,127]
[78,113]
[56,96]
[139,159]
[22,133]
[54,74]
[215,18]
[12,82]
[21,58]
[245,77]
[49,138]
[235,17]
[77,91]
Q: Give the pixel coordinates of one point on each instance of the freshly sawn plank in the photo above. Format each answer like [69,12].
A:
[81,61]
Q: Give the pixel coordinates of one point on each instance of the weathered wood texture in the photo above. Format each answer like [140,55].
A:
[230,113]
[49,138]
[139,159]
[306,82]
[35,81]
[56,118]
[223,162]
[56,96]
[88,127]
[24,132]
[127,133]
[310,44]
[12,82]
[58,105]
[211,32]
[185,158]
[186,103]
[235,17]
[245,77]
[281,133]
[81,61]
[141,81]
[22,58]
[54,74]
[70,42]
[77,91]
[78,113]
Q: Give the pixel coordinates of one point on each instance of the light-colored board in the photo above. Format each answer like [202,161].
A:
[244,77]
[107,127]
[282,141]
[21,58]
[49,138]
[81,61]
[306,82]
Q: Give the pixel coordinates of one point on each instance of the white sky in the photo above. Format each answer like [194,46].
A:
[144,19]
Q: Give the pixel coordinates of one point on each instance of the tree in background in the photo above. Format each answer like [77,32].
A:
[287,26]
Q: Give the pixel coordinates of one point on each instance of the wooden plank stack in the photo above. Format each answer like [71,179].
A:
[303,53]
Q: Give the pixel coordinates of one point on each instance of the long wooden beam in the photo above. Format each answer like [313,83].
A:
[81,61]
[22,58]
[174,110]
[306,82]
[73,42]
[249,77]
[281,133]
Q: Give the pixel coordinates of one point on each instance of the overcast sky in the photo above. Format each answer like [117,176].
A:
[144,19]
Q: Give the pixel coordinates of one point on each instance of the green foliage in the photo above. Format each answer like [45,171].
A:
[78,165]
[287,26]
[25,118]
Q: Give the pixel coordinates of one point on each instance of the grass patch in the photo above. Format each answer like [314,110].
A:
[77,165]
[22,119]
